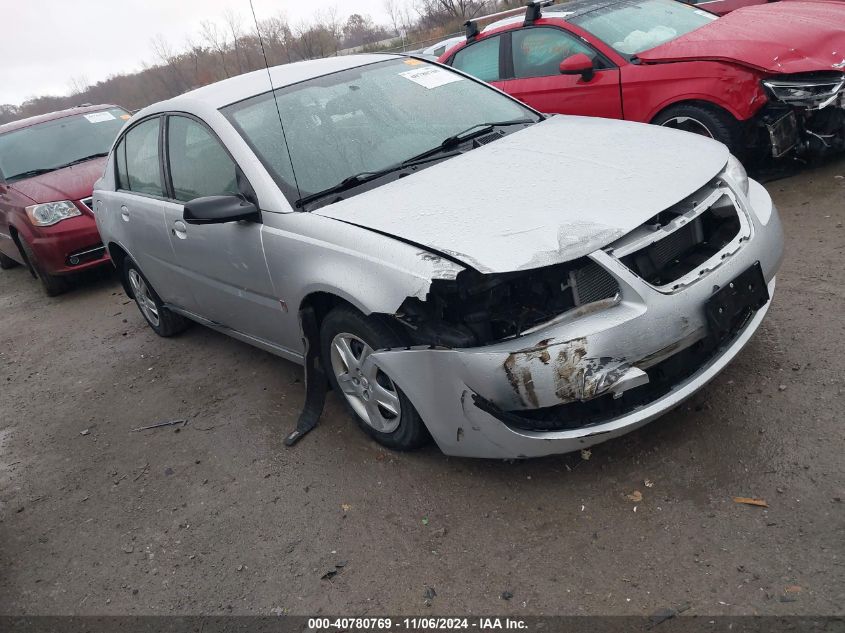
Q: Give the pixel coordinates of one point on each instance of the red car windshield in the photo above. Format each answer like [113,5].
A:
[58,143]
[634,26]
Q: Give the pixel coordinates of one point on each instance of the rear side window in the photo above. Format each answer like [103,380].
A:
[480,59]
[538,52]
[199,165]
[142,166]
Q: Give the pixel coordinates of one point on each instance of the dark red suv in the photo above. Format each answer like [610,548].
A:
[48,166]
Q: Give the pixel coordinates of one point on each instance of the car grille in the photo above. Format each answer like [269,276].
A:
[676,241]
[593,283]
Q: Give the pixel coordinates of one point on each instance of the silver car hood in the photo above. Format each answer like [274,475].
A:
[545,195]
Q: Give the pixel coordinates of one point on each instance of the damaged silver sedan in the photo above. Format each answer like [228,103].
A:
[453,264]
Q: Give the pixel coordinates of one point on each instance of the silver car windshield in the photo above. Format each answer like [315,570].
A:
[638,25]
[362,120]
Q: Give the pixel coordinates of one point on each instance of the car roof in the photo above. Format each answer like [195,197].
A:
[52,116]
[448,42]
[564,11]
[575,8]
[234,89]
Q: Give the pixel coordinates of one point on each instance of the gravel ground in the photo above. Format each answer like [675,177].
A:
[219,517]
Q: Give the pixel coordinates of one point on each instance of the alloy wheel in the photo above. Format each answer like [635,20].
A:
[142,295]
[370,392]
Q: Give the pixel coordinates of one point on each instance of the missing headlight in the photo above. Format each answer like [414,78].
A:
[477,309]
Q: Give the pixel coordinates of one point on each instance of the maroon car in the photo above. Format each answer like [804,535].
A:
[48,166]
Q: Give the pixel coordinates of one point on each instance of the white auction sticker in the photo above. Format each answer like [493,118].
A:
[99,117]
[431,77]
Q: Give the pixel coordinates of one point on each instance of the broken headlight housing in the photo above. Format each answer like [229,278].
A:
[736,174]
[477,309]
[51,213]
[811,91]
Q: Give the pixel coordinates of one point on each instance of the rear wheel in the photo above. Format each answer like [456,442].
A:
[706,120]
[6,262]
[163,321]
[347,338]
[53,284]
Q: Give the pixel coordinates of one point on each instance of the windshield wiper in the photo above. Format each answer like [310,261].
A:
[435,153]
[82,160]
[479,129]
[31,173]
[367,176]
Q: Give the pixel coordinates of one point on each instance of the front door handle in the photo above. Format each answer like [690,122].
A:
[180,229]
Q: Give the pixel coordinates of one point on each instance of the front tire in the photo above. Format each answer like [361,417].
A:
[53,284]
[706,120]
[163,321]
[383,412]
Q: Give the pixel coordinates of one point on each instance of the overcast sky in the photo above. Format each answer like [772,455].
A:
[47,43]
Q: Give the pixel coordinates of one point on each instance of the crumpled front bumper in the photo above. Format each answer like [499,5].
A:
[582,357]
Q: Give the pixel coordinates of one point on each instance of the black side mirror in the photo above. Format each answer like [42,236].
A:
[219,210]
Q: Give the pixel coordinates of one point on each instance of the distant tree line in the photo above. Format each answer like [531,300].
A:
[230,46]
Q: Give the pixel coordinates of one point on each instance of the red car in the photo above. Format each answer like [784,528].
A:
[762,78]
[48,166]
[721,7]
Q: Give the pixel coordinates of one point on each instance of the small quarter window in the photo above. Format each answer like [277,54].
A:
[120,157]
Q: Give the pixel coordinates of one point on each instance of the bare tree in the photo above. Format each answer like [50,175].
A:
[78,84]
[394,8]
[216,40]
[233,21]
[278,39]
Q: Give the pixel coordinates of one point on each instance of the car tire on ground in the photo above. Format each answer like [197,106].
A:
[705,119]
[53,285]
[163,321]
[347,337]
[6,262]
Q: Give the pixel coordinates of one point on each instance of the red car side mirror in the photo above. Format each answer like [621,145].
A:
[578,64]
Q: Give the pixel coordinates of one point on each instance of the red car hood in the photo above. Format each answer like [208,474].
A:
[70,183]
[787,37]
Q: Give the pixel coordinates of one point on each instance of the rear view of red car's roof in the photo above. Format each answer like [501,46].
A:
[51,116]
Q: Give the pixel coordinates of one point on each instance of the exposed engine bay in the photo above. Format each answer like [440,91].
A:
[806,113]
[476,309]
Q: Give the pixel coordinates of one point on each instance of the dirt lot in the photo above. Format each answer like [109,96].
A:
[219,517]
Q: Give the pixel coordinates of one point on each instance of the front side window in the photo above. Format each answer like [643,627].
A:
[59,143]
[199,166]
[538,52]
[637,25]
[480,59]
[365,119]
[142,165]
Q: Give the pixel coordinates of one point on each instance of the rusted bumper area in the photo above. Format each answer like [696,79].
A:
[593,376]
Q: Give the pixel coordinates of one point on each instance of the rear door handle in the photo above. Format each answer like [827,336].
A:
[124,213]
[180,230]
